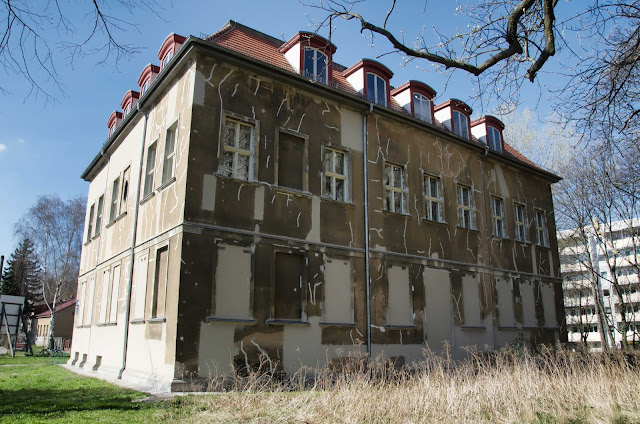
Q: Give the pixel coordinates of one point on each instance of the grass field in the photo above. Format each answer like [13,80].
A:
[553,387]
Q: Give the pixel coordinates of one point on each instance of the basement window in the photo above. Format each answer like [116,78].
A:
[237,159]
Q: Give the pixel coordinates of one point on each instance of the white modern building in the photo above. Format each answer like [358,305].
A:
[601,259]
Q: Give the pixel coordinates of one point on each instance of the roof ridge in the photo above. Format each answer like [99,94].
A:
[231,24]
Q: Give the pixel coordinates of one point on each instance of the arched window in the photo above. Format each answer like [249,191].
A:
[167,58]
[315,65]
[146,85]
[376,89]
[422,107]
[493,139]
[460,124]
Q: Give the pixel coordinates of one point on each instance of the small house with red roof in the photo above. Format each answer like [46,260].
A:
[63,325]
[257,203]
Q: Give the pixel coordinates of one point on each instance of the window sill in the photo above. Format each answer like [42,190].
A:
[293,191]
[237,180]
[116,219]
[337,324]
[400,327]
[95,236]
[166,184]
[524,243]
[429,221]
[106,324]
[83,326]
[475,230]
[544,246]
[280,322]
[398,214]
[508,328]
[473,327]
[239,321]
[498,238]
[337,202]
[147,197]
[137,321]
[156,320]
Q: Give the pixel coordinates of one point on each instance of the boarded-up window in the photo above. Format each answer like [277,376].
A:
[160,282]
[471,301]
[338,293]
[233,282]
[506,314]
[549,305]
[287,302]
[399,310]
[115,287]
[140,287]
[291,161]
[80,307]
[528,304]
[104,299]
[437,288]
[88,301]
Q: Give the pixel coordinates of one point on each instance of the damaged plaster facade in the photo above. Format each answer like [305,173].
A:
[256,241]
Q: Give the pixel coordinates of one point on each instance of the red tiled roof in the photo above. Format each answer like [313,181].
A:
[264,48]
[60,306]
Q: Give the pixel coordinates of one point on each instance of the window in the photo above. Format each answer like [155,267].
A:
[338,291]
[422,107]
[125,190]
[521,220]
[237,160]
[127,109]
[160,282]
[335,175]
[115,200]
[115,292]
[315,65]
[151,164]
[432,198]
[291,161]
[494,140]
[460,124]
[465,204]
[140,287]
[288,287]
[395,188]
[99,215]
[167,58]
[541,228]
[90,223]
[104,299]
[145,86]
[376,89]
[497,207]
[168,170]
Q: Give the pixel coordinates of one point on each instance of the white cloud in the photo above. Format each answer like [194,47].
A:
[3,147]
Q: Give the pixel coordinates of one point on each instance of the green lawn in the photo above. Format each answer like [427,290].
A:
[34,391]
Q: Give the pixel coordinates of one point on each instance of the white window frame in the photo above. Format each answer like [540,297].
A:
[236,150]
[432,198]
[115,199]
[494,139]
[90,222]
[334,175]
[167,58]
[395,189]
[377,99]
[465,208]
[458,118]
[169,163]
[498,217]
[127,109]
[150,169]
[541,228]
[317,73]
[145,86]
[520,220]
[420,102]
[99,213]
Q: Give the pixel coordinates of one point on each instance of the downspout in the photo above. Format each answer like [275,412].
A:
[133,246]
[366,227]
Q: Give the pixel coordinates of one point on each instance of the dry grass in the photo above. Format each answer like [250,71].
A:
[508,386]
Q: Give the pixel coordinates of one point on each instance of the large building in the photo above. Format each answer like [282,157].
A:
[258,201]
[600,269]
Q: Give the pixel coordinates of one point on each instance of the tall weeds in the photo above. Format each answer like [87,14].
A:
[505,386]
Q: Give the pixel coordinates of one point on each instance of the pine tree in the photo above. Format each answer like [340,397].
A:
[22,274]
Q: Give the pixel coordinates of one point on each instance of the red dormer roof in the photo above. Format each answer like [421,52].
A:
[309,39]
[148,70]
[113,119]
[415,87]
[129,97]
[169,42]
[489,120]
[370,65]
[455,104]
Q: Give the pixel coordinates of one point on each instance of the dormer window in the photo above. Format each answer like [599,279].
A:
[114,121]
[376,89]
[494,139]
[129,101]
[145,86]
[422,107]
[315,65]
[169,48]
[167,58]
[147,76]
[127,109]
[460,124]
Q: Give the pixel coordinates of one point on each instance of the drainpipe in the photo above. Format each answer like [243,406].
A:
[133,246]
[366,226]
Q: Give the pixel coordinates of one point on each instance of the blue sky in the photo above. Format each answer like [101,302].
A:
[45,147]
